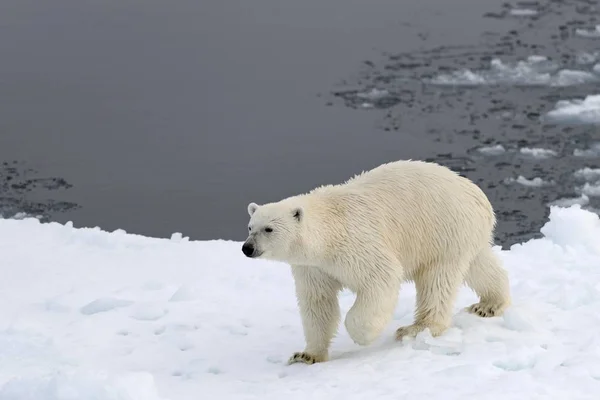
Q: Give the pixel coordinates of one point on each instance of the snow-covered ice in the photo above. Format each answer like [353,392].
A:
[591,189]
[88,314]
[373,94]
[577,111]
[537,152]
[586,58]
[582,200]
[588,174]
[589,33]
[492,150]
[534,71]
[534,182]
[523,12]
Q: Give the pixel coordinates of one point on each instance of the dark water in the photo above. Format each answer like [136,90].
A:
[160,117]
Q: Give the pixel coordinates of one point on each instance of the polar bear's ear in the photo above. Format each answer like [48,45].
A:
[252,208]
[298,213]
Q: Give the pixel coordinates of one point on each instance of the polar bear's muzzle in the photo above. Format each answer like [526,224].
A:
[249,249]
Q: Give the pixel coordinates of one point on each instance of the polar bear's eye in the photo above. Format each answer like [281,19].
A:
[268,230]
[249,229]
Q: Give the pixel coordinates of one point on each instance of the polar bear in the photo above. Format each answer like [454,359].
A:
[402,221]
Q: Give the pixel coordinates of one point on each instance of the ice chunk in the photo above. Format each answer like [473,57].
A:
[588,33]
[184,293]
[588,174]
[578,111]
[534,71]
[374,94]
[492,150]
[570,201]
[591,189]
[535,182]
[538,152]
[523,12]
[104,304]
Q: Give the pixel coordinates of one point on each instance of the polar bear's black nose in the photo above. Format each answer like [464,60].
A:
[248,249]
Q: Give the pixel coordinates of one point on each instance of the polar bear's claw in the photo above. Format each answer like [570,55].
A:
[410,331]
[305,358]
[486,310]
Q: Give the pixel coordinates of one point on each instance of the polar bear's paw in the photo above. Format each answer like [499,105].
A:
[305,358]
[486,310]
[410,331]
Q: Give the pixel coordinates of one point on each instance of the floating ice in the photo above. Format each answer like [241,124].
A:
[588,174]
[585,58]
[591,189]
[374,94]
[492,150]
[593,151]
[586,111]
[535,182]
[523,12]
[589,33]
[534,71]
[583,200]
[537,152]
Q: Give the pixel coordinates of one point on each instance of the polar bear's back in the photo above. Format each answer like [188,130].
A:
[423,212]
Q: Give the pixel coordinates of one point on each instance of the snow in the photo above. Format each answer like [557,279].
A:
[492,150]
[537,152]
[78,386]
[89,314]
[578,111]
[535,182]
[534,71]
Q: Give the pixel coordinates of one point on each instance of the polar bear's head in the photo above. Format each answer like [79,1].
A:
[273,231]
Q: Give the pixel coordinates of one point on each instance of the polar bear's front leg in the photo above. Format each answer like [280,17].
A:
[372,311]
[317,295]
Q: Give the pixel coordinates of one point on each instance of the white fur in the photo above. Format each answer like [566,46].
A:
[402,221]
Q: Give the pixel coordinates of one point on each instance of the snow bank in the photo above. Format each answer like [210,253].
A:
[534,71]
[176,319]
[578,111]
